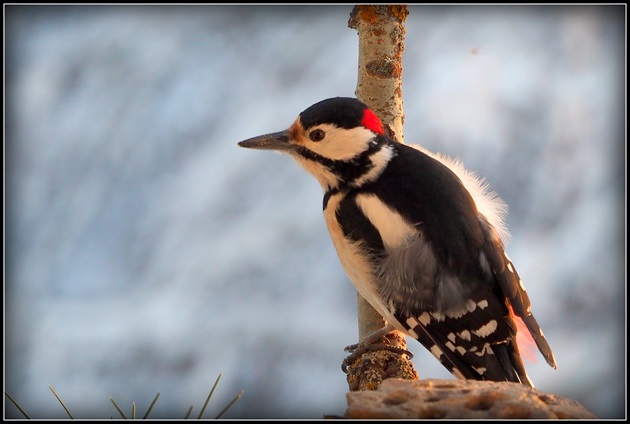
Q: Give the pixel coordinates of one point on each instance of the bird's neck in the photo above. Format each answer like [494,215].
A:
[342,175]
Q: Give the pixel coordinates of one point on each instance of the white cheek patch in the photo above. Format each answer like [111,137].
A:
[340,143]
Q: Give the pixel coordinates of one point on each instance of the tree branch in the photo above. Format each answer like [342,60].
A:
[381,33]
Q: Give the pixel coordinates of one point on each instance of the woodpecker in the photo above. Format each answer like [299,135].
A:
[420,237]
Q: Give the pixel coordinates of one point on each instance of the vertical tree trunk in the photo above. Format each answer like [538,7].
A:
[381,33]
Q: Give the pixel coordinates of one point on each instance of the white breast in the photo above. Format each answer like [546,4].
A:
[393,230]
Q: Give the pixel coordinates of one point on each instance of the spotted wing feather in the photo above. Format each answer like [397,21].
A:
[461,319]
[514,291]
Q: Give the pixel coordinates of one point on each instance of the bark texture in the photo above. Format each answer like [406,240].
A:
[381,33]
[460,399]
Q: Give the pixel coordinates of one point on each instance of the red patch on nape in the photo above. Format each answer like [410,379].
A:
[526,344]
[371,122]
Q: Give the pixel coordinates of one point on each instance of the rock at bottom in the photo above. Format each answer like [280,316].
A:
[397,398]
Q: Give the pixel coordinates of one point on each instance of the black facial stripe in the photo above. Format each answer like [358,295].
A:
[312,156]
[347,170]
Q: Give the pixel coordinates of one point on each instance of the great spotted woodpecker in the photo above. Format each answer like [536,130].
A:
[421,239]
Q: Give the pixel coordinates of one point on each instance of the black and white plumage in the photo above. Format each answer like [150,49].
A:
[421,239]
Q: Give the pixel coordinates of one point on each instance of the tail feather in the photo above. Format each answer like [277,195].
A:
[516,297]
[475,359]
[536,332]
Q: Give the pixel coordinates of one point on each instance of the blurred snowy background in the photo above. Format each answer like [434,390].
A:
[146,252]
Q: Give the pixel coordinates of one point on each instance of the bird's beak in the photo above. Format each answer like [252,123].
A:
[275,141]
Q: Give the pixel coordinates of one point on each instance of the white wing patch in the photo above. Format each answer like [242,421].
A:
[392,227]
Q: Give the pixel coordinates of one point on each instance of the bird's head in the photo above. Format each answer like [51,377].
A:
[340,141]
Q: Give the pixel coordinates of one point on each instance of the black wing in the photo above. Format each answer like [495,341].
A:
[451,287]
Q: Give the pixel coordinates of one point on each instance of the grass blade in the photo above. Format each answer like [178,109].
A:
[210,395]
[60,401]
[229,405]
[189,412]
[117,408]
[133,410]
[17,406]
[151,406]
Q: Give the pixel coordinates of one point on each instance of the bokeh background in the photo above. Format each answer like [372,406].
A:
[146,252]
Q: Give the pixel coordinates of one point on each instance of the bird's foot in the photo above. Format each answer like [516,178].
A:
[358,349]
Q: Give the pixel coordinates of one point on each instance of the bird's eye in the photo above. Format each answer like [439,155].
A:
[317,135]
